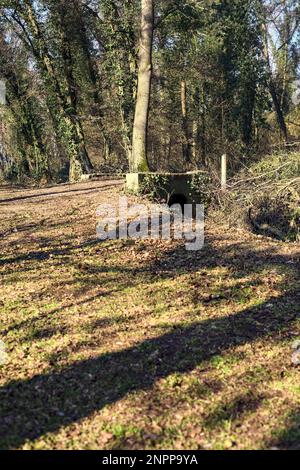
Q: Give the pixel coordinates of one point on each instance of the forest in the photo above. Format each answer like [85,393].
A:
[150,228]
[224,78]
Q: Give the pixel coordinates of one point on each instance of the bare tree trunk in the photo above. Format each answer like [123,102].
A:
[195,132]
[272,88]
[186,147]
[278,109]
[139,160]
[203,140]
[202,126]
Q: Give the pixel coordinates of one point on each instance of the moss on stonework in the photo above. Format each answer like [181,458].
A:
[195,188]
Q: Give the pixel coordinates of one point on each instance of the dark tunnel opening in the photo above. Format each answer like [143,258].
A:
[178,199]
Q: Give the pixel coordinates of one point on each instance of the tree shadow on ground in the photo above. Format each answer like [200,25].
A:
[25,324]
[45,403]
[80,191]
[243,260]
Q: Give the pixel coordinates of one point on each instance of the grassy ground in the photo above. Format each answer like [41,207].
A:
[142,345]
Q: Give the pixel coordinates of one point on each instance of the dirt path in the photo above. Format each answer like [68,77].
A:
[142,344]
[16,195]
[18,204]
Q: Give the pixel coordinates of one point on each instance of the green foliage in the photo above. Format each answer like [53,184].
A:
[201,187]
[12,173]
[155,186]
[281,165]
[72,66]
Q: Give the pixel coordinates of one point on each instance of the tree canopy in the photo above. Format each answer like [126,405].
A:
[223,78]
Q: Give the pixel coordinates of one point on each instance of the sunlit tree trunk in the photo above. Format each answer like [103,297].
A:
[272,87]
[186,147]
[139,162]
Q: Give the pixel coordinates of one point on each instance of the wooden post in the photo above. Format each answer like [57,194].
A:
[2,93]
[224,172]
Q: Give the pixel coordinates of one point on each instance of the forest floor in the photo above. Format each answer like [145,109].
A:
[142,345]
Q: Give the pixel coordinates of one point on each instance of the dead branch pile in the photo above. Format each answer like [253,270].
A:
[266,197]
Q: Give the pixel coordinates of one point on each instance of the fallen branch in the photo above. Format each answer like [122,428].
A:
[247,180]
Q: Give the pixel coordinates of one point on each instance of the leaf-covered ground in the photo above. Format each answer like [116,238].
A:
[123,345]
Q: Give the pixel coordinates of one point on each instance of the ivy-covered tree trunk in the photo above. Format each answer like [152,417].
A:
[119,32]
[84,42]
[79,158]
[23,107]
[66,100]
[139,162]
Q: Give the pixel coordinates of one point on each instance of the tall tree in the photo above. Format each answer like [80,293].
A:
[139,160]
[280,25]
[59,81]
